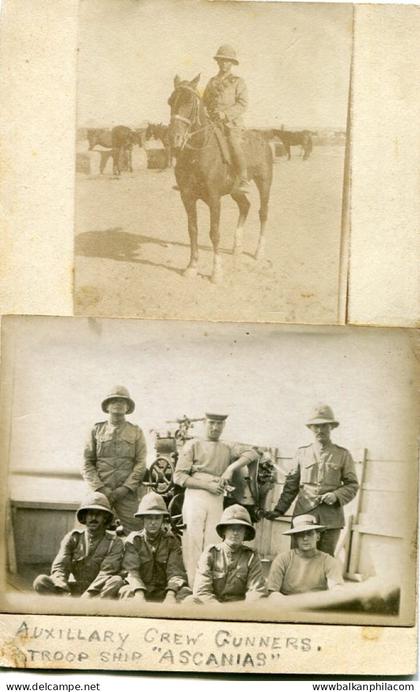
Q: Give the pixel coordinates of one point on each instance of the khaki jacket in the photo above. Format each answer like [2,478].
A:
[228,95]
[115,456]
[226,575]
[91,564]
[154,567]
[312,476]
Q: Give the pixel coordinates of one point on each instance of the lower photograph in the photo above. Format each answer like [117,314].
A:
[220,473]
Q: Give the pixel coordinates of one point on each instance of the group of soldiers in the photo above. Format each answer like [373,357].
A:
[213,563]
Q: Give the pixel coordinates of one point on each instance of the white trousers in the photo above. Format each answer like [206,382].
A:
[201,512]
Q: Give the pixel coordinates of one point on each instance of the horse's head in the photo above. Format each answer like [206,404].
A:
[185,110]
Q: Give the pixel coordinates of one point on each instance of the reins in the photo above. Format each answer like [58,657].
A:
[193,120]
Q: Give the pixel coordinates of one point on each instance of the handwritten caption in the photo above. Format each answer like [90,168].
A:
[222,648]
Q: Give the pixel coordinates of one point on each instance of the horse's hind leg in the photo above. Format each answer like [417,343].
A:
[263,184]
[115,161]
[190,205]
[243,205]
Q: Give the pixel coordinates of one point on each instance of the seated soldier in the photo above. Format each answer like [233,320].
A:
[153,557]
[230,571]
[303,568]
[91,556]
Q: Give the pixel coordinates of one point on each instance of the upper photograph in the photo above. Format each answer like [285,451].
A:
[212,160]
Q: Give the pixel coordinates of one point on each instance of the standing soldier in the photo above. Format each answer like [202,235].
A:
[92,556]
[226,100]
[204,469]
[323,478]
[115,458]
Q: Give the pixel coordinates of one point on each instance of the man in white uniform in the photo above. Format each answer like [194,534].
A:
[205,467]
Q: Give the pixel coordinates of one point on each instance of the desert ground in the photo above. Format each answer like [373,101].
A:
[132,245]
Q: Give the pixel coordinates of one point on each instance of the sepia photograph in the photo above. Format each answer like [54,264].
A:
[212,164]
[209,472]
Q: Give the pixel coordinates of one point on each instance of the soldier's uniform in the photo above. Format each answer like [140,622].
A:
[313,474]
[115,456]
[153,565]
[320,471]
[228,94]
[201,509]
[227,574]
[224,575]
[85,566]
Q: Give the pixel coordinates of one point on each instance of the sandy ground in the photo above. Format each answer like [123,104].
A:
[132,244]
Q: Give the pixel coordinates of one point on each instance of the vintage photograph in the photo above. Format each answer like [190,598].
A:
[204,471]
[212,164]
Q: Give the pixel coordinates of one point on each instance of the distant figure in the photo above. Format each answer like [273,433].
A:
[89,560]
[153,558]
[295,139]
[229,570]
[304,568]
[323,478]
[115,458]
[204,468]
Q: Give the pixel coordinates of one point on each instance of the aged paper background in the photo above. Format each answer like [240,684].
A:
[38,73]
[367,376]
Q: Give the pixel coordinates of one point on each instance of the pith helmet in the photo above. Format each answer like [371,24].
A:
[236,514]
[94,501]
[152,503]
[226,52]
[119,392]
[303,522]
[216,416]
[322,414]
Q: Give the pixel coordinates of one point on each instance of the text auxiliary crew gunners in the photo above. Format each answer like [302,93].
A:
[204,469]
[115,458]
[323,478]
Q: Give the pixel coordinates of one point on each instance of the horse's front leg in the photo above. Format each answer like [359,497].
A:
[190,205]
[115,161]
[214,205]
[243,205]
[263,185]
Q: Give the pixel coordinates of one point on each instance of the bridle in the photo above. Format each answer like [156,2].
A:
[193,120]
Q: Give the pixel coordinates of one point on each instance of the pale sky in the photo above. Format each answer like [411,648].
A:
[295,58]
[267,378]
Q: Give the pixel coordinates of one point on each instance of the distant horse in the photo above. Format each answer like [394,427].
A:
[161,133]
[202,172]
[292,139]
[121,140]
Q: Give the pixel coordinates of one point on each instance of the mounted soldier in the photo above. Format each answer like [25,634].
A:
[226,100]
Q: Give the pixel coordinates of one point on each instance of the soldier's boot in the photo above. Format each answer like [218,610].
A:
[239,162]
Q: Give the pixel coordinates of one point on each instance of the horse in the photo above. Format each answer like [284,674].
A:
[291,139]
[161,132]
[202,172]
[120,140]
